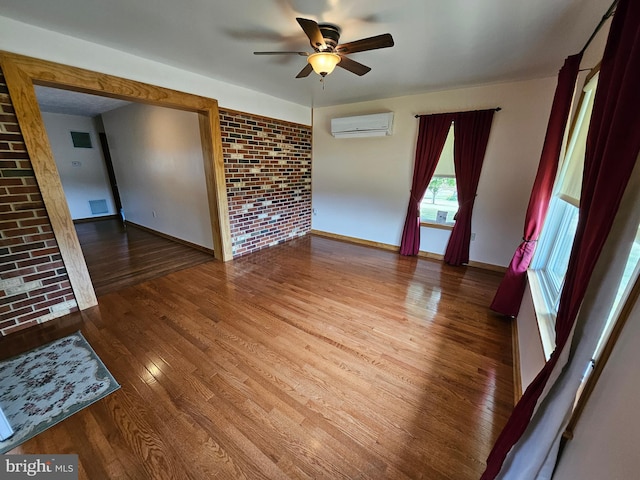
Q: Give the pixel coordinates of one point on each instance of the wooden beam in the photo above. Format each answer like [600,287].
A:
[22,73]
[210,137]
[36,141]
[50,74]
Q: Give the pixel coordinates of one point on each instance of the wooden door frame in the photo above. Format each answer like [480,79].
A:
[22,73]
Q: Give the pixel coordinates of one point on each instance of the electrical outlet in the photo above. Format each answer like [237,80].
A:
[75,163]
[473,236]
[154,214]
[315,212]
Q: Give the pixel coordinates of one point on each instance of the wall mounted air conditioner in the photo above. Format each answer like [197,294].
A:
[376,125]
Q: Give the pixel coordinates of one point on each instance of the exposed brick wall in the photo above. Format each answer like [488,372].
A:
[34,286]
[268,176]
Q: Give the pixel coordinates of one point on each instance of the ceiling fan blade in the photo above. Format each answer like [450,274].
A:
[353,66]
[305,71]
[372,43]
[303,54]
[312,30]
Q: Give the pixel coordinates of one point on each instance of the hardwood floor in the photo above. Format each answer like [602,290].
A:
[119,256]
[312,359]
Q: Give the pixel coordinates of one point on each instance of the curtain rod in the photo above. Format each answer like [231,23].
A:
[497,109]
[605,17]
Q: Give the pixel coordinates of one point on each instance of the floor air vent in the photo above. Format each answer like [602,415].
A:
[98,206]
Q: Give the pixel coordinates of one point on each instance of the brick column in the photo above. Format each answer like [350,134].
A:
[34,286]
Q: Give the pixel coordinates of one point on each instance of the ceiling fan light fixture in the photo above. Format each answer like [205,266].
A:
[323,63]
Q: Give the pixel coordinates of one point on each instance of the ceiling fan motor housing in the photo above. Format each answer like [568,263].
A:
[331,35]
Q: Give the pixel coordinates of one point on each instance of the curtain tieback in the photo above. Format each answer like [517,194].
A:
[528,241]
[417,200]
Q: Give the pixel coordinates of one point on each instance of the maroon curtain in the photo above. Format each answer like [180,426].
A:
[511,290]
[613,145]
[431,137]
[471,134]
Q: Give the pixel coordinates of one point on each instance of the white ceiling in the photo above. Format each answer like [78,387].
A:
[439,44]
[54,100]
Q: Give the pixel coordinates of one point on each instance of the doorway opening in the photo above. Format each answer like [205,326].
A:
[22,73]
[159,223]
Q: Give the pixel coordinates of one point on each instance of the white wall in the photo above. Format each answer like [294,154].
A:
[37,42]
[87,179]
[361,186]
[606,438]
[157,157]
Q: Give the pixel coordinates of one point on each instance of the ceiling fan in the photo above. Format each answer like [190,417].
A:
[327,52]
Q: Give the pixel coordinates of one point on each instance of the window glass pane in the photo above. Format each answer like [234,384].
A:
[626,282]
[554,249]
[440,203]
[570,179]
[559,258]
[445,166]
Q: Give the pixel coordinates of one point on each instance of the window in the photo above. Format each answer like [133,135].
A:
[440,202]
[629,276]
[554,248]
[552,255]
[627,281]
[552,258]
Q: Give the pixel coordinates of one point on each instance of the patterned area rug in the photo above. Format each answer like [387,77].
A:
[44,386]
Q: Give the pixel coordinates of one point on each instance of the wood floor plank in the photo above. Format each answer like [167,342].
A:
[134,255]
[313,359]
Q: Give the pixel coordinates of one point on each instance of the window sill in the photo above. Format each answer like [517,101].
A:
[545,317]
[441,226]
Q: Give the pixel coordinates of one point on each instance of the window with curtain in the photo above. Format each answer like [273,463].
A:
[552,255]
[629,277]
[627,281]
[440,202]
